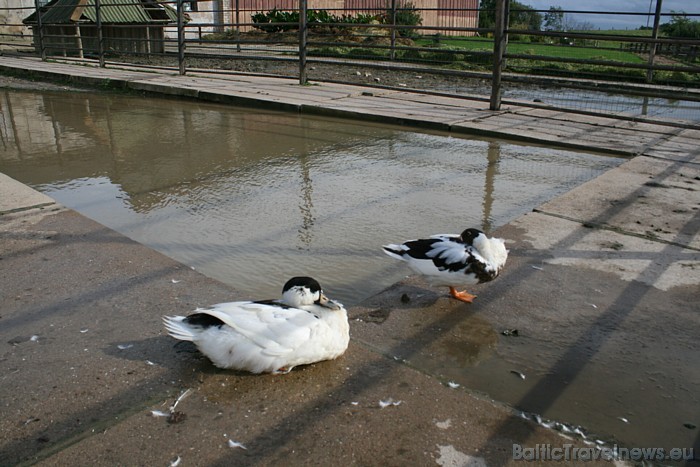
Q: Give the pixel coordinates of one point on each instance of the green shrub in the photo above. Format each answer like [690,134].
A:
[274,20]
[357,52]
[406,15]
[281,21]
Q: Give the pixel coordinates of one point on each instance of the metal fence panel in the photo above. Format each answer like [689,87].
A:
[566,59]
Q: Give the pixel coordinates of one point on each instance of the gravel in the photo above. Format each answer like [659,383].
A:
[362,74]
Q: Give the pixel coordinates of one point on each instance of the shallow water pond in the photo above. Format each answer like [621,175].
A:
[253,197]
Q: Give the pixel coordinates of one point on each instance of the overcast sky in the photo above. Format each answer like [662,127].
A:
[610,21]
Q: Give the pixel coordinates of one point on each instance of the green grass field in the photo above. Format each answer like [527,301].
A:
[609,50]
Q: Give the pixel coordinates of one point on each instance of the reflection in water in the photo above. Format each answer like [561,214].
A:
[468,343]
[609,103]
[252,198]
[306,205]
[493,156]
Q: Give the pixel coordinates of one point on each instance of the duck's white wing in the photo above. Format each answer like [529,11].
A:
[450,254]
[497,254]
[277,330]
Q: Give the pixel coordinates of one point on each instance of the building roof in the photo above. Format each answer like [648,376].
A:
[111,12]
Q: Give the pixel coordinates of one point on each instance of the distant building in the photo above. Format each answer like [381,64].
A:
[217,15]
[142,26]
[69,26]
[11,14]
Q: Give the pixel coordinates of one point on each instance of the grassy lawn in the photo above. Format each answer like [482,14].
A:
[527,54]
[605,50]
[584,53]
[609,49]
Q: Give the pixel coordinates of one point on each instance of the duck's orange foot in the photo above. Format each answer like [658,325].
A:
[463,296]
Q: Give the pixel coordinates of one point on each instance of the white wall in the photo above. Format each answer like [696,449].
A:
[12,12]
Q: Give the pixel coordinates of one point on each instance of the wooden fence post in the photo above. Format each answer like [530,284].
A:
[500,41]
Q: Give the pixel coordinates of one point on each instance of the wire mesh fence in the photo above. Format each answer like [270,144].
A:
[632,64]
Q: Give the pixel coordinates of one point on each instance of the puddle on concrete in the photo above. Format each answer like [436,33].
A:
[615,358]
[586,100]
[468,343]
[252,197]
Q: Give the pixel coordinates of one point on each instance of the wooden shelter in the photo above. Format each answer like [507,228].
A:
[69,27]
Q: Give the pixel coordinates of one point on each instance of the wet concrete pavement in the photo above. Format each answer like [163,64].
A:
[86,362]
[601,284]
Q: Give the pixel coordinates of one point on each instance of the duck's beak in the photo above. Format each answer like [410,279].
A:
[328,303]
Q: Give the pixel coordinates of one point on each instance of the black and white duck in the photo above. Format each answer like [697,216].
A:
[268,336]
[454,260]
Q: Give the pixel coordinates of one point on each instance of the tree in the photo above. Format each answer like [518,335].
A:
[524,16]
[681,26]
[554,19]
[579,26]
[487,14]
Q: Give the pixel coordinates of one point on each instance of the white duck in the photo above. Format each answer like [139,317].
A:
[454,260]
[269,336]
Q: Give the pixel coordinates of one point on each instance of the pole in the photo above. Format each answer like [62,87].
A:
[238,27]
[393,29]
[100,44]
[654,35]
[303,35]
[180,37]
[500,41]
[40,31]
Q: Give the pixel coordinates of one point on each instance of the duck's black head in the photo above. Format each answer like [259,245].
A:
[300,292]
[302,281]
[469,235]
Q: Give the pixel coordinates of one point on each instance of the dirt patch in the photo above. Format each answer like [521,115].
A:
[361,74]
